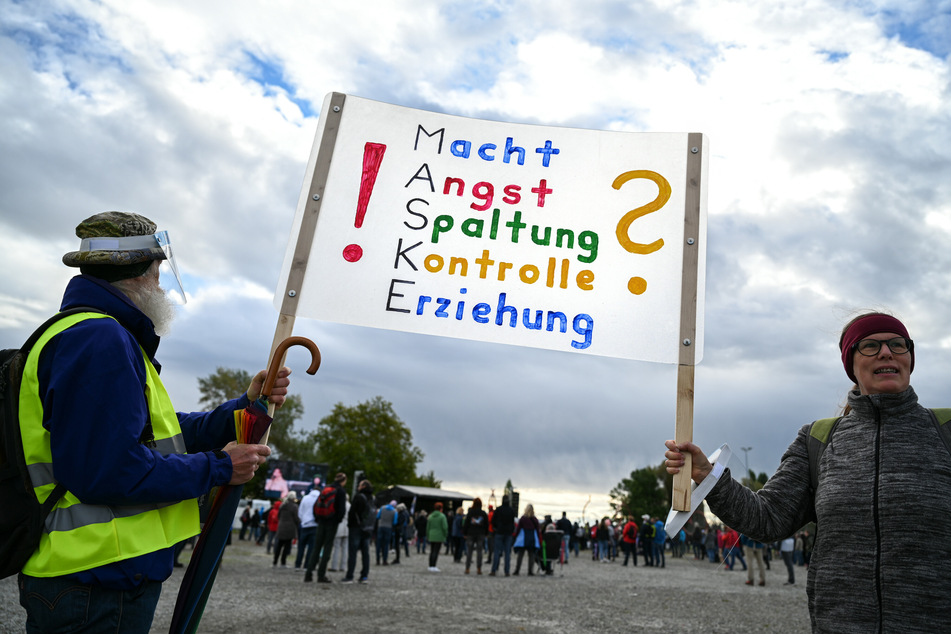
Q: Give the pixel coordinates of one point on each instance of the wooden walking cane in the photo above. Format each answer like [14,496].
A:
[688,319]
[305,234]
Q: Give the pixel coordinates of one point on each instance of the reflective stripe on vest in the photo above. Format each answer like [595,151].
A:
[81,536]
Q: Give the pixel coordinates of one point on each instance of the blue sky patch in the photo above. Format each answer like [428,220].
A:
[270,75]
[928,33]
[834,56]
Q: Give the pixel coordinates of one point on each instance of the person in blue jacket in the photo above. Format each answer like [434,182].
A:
[95,418]
[660,540]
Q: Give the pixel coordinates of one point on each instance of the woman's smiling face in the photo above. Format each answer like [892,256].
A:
[883,373]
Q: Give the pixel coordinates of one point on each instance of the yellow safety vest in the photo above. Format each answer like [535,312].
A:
[81,536]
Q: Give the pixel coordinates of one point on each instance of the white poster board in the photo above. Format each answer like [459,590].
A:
[547,237]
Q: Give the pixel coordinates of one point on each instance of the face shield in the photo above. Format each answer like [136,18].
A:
[158,240]
[162,238]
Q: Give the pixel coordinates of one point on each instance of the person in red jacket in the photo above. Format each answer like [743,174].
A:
[629,539]
[731,548]
[272,523]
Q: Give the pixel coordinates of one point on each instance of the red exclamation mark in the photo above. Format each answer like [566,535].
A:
[372,157]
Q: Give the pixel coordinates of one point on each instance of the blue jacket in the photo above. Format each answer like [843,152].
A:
[92,380]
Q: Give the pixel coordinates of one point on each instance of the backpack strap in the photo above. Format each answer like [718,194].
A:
[941,416]
[819,433]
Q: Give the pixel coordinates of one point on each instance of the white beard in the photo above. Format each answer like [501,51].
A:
[153,301]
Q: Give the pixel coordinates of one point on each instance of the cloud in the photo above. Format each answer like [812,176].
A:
[829,153]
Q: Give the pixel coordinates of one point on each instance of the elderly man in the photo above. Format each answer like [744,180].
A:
[96,419]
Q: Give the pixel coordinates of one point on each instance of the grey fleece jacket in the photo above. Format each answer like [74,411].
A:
[883,543]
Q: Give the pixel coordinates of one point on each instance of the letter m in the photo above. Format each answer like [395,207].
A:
[421,130]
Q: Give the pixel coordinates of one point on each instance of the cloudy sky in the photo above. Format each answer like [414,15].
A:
[830,150]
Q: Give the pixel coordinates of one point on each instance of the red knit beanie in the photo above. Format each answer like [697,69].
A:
[862,328]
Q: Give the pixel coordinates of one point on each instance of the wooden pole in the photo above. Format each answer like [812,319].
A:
[688,318]
[305,234]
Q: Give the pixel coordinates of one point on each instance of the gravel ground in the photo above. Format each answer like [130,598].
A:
[585,596]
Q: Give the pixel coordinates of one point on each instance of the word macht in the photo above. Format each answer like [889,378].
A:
[482,313]
[462,148]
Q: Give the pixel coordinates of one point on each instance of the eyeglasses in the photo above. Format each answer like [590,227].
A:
[871,347]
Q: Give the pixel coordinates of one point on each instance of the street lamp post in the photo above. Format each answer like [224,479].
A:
[746,456]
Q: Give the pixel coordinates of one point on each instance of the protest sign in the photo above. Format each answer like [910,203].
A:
[548,237]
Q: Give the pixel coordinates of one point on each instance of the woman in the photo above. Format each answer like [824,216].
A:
[475,527]
[286,532]
[437,531]
[458,539]
[527,538]
[604,537]
[884,465]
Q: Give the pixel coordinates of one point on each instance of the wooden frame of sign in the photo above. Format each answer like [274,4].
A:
[305,237]
[688,319]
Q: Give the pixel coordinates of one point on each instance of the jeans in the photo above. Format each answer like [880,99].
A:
[474,543]
[788,560]
[647,549]
[503,545]
[323,548]
[359,542]
[566,546]
[630,550]
[420,544]
[271,535]
[458,548]
[384,539]
[728,557]
[531,560]
[738,554]
[282,549]
[603,551]
[659,554]
[55,604]
[305,544]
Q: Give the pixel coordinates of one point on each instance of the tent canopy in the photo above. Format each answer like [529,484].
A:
[425,497]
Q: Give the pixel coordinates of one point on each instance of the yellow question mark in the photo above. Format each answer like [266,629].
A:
[637,285]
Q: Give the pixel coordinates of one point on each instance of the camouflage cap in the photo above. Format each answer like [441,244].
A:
[114,224]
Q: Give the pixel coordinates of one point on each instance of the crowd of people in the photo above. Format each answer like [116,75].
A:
[488,537]
[483,538]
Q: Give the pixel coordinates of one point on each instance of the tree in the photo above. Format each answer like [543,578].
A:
[428,480]
[753,481]
[372,438]
[224,385]
[645,491]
